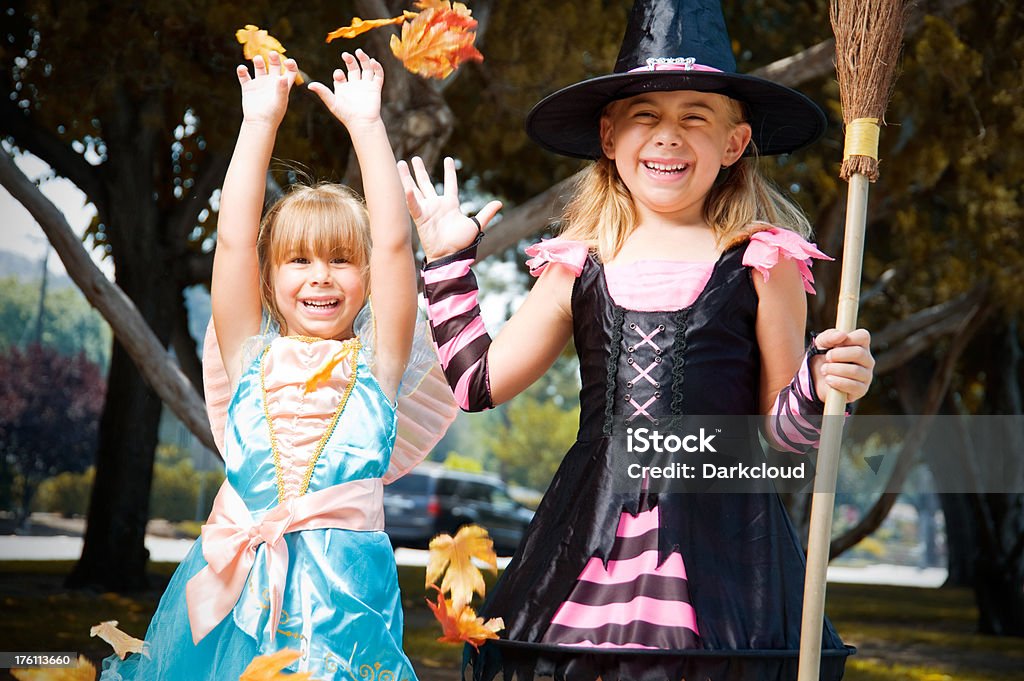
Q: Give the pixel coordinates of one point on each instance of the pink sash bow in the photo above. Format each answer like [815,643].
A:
[231,537]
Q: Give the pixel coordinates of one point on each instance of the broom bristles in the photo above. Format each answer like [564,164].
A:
[869,36]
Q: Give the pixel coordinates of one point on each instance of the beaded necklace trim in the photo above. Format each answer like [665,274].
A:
[351,347]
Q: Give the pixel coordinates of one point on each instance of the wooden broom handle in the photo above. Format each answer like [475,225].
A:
[827,469]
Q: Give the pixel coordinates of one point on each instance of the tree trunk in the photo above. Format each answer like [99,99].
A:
[114,554]
[961,538]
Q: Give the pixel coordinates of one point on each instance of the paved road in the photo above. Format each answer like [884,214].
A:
[161,549]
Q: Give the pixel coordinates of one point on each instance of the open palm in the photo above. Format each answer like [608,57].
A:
[441,226]
[356,96]
[265,95]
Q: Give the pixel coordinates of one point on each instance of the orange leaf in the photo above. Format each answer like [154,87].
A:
[462,625]
[324,372]
[266,667]
[455,555]
[358,27]
[83,672]
[438,40]
[121,642]
[255,41]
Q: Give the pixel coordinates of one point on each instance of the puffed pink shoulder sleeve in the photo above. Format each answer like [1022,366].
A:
[572,254]
[767,245]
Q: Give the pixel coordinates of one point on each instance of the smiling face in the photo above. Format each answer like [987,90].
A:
[314,253]
[668,148]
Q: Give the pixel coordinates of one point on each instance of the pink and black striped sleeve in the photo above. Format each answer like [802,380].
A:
[794,422]
[462,341]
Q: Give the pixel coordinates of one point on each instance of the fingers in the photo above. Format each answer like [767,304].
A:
[323,92]
[451,180]
[487,213]
[259,66]
[242,71]
[413,196]
[426,187]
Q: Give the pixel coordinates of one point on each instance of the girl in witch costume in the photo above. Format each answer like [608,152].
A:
[680,276]
[294,555]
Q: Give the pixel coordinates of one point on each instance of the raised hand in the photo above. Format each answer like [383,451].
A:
[442,227]
[355,99]
[265,96]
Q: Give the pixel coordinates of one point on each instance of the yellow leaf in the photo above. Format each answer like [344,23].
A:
[462,625]
[255,41]
[462,578]
[438,40]
[83,672]
[121,642]
[359,26]
[267,667]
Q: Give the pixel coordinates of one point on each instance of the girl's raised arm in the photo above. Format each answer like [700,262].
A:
[481,373]
[355,101]
[235,288]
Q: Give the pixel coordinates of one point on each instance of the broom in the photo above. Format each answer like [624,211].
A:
[869,34]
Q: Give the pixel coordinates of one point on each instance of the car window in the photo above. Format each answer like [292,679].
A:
[475,491]
[410,484]
[447,486]
[501,499]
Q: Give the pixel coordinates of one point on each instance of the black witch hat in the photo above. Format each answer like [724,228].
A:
[675,45]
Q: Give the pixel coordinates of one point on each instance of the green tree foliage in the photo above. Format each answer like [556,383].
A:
[70,325]
[49,411]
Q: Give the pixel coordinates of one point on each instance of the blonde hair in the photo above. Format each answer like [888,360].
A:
[602,213]
[325,220]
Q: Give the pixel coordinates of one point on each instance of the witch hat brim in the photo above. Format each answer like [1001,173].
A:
[675,45]
[568,121]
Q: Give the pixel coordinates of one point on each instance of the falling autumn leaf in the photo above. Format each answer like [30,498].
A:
[359,26]
[85,671]
[121,642]
[462,625]
[462,578]
[267,667]
[438,40]
[255,41]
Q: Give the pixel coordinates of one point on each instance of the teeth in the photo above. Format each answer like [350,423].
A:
[320,306]
[662,167]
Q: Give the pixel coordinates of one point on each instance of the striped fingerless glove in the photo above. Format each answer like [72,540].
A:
[459,334]
[794,422]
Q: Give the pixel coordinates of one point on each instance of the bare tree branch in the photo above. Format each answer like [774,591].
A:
[131,330]
[913,440]
[58,155]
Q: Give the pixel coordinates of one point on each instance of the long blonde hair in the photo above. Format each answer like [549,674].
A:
[602,213]
[326,219]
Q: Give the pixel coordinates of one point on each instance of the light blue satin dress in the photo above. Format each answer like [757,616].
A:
[341,603]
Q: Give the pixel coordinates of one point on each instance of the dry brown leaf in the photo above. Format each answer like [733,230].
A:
[83,672]
[268,667]
[121,642]
[455,555]
[360,26]
[462,625]
[438,40]
[255,41]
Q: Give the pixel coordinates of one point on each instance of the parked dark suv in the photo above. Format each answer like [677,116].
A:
[433,499]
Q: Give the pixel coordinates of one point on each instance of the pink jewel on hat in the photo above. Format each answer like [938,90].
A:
[674,64]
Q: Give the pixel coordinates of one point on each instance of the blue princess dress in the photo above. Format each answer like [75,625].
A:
[294,555]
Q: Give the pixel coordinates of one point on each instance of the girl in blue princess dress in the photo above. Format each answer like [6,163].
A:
[293,555]
[680,276]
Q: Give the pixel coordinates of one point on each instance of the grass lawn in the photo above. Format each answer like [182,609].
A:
[903,634]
